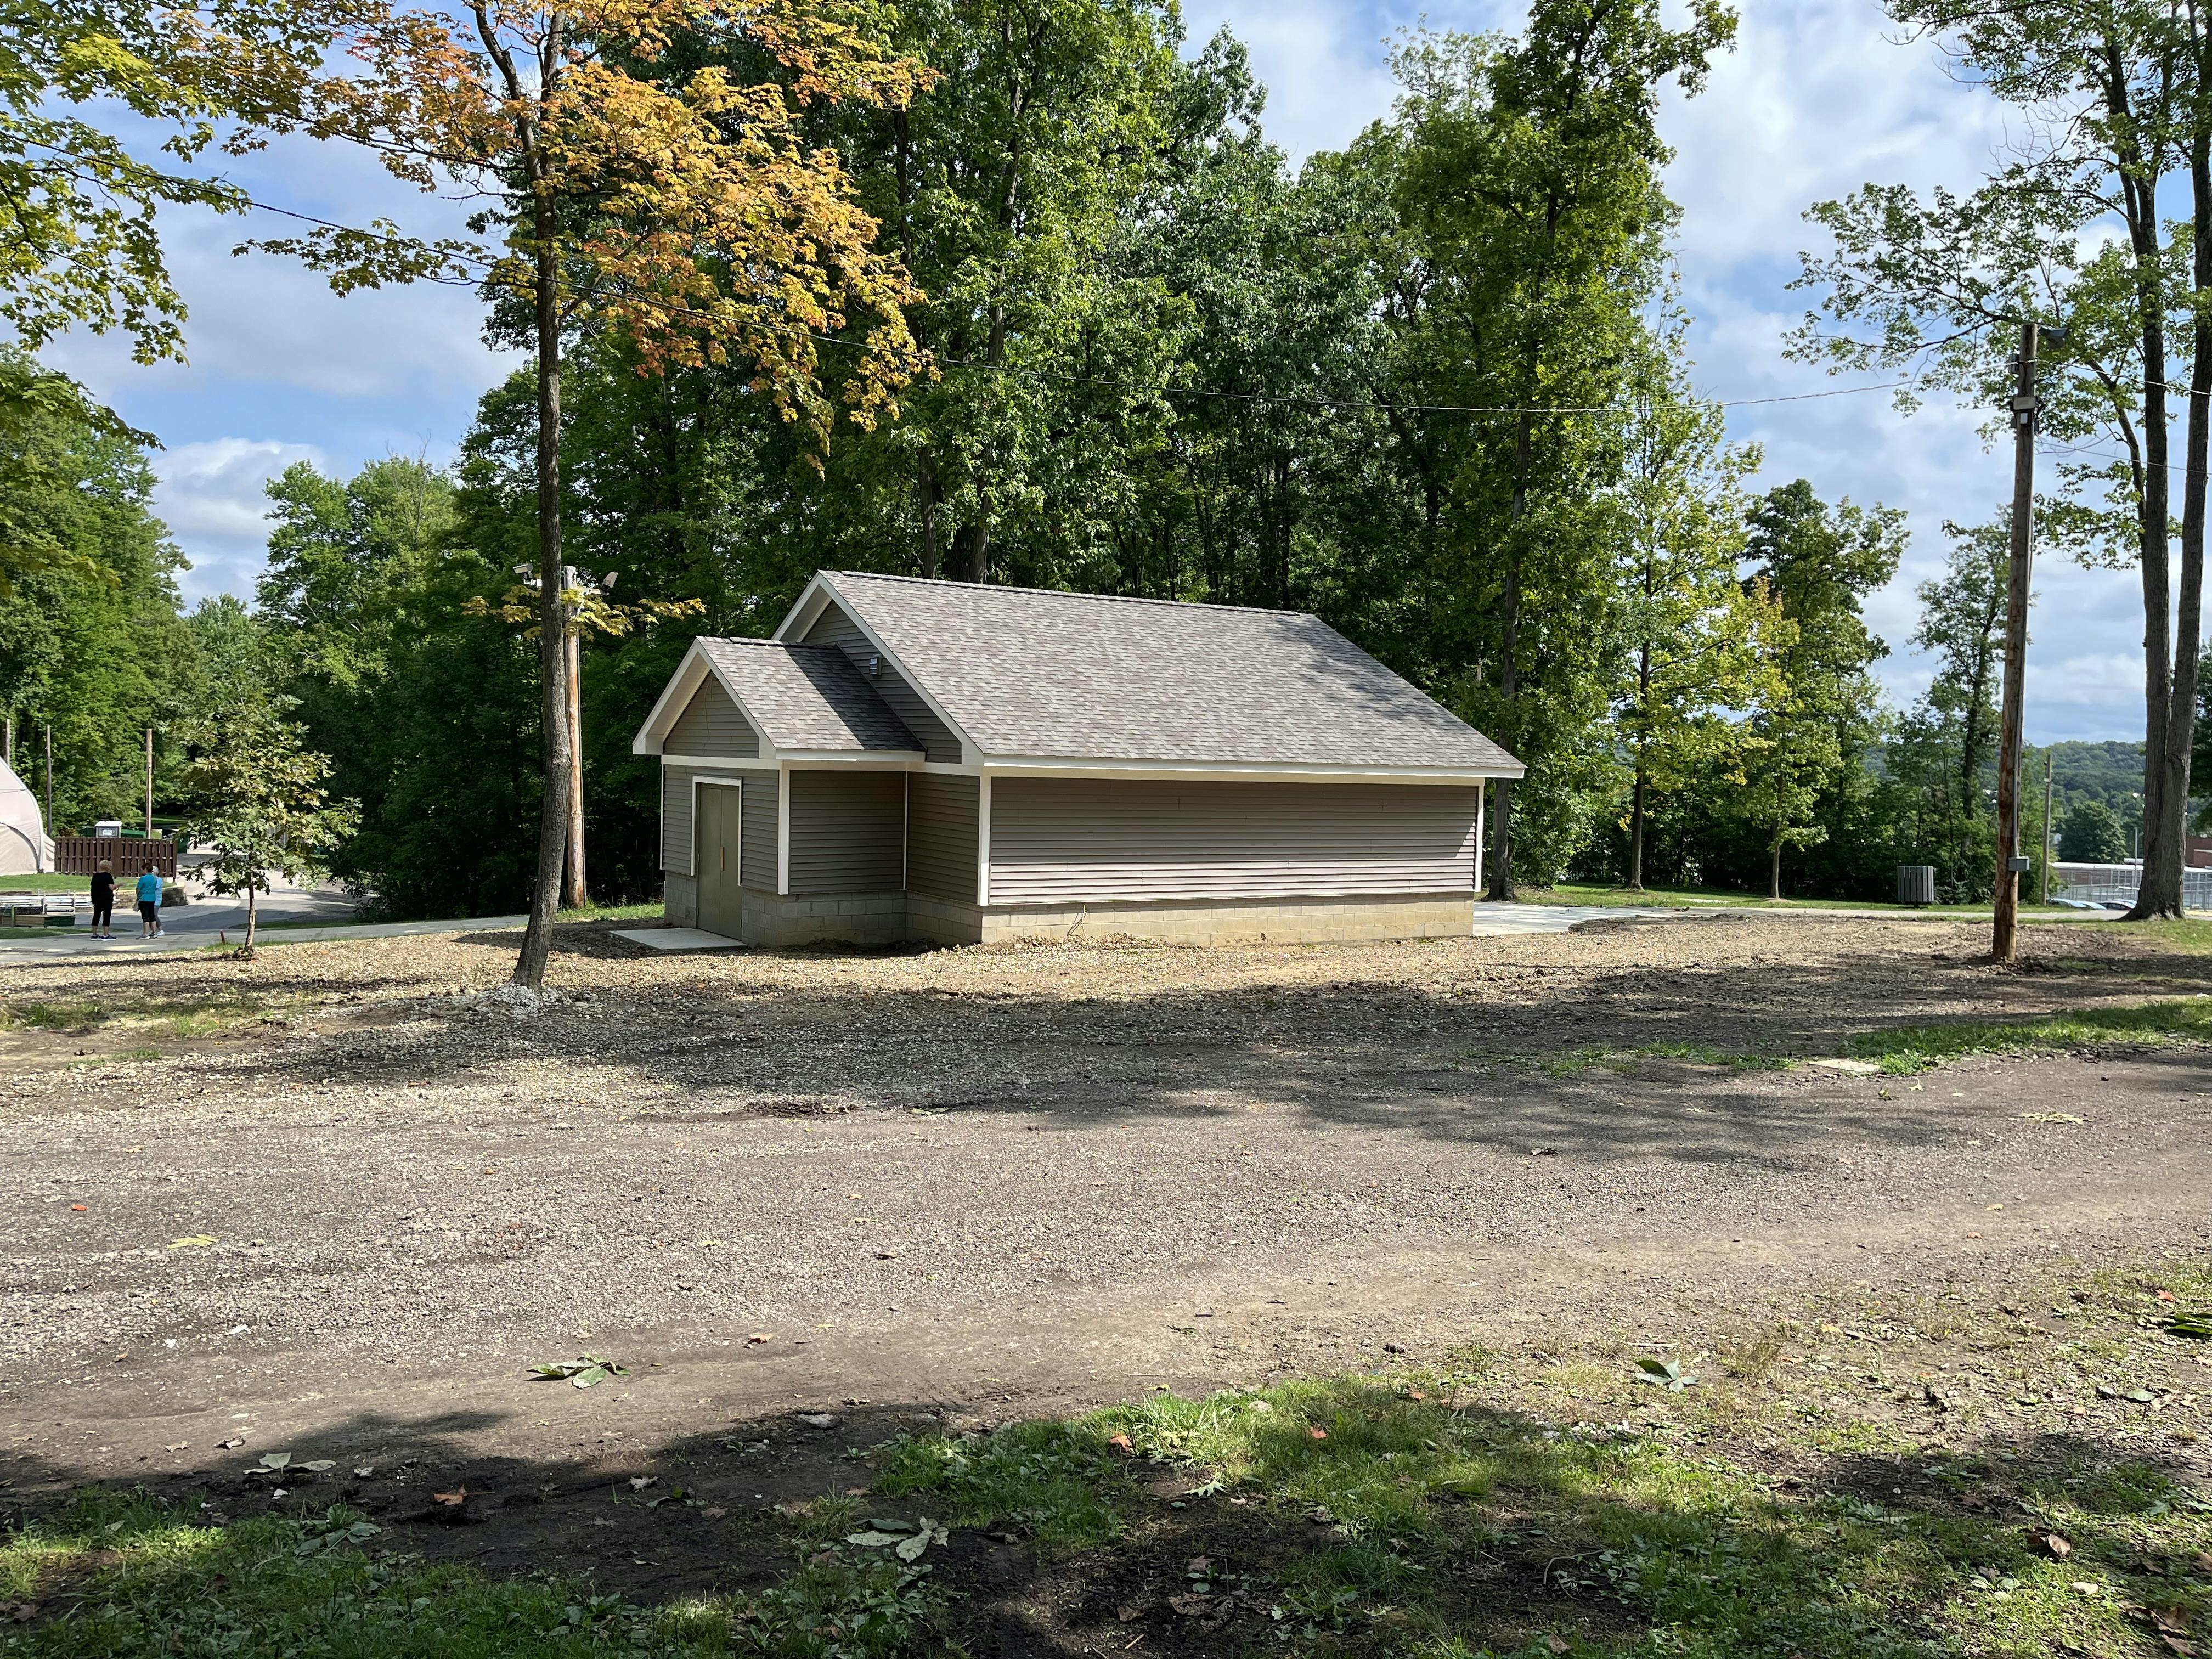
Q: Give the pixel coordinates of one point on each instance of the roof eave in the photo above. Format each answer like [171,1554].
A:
[1350,772]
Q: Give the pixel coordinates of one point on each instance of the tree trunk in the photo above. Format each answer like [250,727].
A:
[251,919]
[2154,556]
[1781,827]
[552,650]
[2165,833]
[1636,834]
[926,491]
[579,891]
[1509,668]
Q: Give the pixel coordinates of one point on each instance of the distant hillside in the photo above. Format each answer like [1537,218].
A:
[2109,772]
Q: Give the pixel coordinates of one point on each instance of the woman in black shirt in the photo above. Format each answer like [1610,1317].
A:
[103,901]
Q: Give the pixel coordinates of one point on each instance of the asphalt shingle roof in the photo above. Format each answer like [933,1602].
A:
[1027,671]
[806,696]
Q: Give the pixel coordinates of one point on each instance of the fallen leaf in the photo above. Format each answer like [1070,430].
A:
[639,1482]
[79,1208]
[451,1500]
[225,1445]
[2163,1295]
[1318,1434]
[1555,1644]
[760,1336]
[192,1241]
[713,1514]
[1120,1442]
[2057,1543]
[2204,1561]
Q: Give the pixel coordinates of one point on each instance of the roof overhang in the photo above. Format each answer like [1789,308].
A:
[1070,766]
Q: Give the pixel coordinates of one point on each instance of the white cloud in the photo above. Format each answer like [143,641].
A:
[213,496]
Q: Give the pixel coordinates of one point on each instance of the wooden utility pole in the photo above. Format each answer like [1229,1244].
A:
[576,893]
[50,780]
[149,783]
[2046,826]
[2009,862]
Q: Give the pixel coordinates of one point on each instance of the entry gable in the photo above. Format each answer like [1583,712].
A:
[804,701]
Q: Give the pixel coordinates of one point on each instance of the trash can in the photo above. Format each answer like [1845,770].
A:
[1916,884]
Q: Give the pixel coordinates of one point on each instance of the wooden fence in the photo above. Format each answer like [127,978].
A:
[128,855]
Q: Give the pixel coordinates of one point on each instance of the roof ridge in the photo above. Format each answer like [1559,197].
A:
[1073,594]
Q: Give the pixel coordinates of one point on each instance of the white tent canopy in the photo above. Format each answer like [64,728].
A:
[24,844]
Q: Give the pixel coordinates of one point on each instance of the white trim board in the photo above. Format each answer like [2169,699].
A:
[727,763]
[783,832]
[1049,766]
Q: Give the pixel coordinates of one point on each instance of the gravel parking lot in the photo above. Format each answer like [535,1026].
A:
[337,1183]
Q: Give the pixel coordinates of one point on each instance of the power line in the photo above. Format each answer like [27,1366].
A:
[1287,400]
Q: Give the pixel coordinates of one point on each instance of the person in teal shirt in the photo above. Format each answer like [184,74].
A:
[149,902]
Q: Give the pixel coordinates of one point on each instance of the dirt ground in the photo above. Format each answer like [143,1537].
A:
[332,1201]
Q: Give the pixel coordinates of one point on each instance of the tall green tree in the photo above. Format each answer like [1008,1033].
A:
[1943,284]
[1692,628]
[1817,712]
[90,641]
[1530,187]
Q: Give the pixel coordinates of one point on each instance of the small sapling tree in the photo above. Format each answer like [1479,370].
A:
[260,805]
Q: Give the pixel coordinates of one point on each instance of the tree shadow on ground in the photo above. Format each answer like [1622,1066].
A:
[1675,1062]
[1411,1517]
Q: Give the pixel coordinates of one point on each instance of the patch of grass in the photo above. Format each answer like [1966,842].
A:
[48,882]
[648,910]
[1057,1483]
[1618,1060]
[1904,1050]
[1706,898]
[1425,1516]
[118,1577]
[68,1015]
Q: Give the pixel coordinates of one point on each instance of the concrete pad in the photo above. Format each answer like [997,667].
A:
[678,939]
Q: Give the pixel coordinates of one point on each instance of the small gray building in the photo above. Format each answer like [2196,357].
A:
[940,761]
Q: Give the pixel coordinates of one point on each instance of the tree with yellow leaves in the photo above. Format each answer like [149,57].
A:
[646,188]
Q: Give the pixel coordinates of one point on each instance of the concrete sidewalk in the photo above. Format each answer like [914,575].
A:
[19,952]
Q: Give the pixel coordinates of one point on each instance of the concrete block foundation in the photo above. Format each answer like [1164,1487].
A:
[900,918]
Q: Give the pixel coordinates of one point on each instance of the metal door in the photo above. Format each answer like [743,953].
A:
[720,825]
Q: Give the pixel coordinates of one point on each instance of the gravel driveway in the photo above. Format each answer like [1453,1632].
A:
[1051,1171]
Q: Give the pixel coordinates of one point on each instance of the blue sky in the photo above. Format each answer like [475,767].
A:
[1815,100]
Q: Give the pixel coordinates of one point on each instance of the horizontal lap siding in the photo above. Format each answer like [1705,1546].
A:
[676,818]
[712,725]
[1105,840]
[847,832]
[756,868]
[757,863]
[834,626]
[940,847]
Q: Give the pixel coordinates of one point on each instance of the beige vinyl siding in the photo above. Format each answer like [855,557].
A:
[1106,840]
[940,835]
[678,798]
[759,833]
[711,723]
[847,832]
[676,818]
[834,626]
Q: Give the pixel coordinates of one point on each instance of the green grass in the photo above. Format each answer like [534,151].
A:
[200,1012]
[122,1577]
[1617,1059]
[1386,1521]
[1678,898]
[46,882]
[1904,1050]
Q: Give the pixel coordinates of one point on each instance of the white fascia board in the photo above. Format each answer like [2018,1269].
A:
[783,832]
[1063,766]
[681,683]
[880,759]
[803,610]
[801,616]
[724,763]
